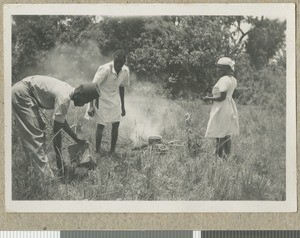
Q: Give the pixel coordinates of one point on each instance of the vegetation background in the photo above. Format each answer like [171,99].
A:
[172,63]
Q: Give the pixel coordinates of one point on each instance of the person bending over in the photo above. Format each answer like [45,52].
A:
[34,92]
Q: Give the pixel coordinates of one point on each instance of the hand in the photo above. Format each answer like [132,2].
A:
[123,113]
[91,111]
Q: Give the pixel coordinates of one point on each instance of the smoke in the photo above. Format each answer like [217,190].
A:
[73,64]
[147,114]
[142,119]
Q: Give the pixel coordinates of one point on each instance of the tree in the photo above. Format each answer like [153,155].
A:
[265,39]
[182,57]
[120,33]
[35,37]
[177,52]
[32,38]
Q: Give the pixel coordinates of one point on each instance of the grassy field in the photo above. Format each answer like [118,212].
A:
[182,167]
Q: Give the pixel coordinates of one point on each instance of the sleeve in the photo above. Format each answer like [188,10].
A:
[125,81]
[100,75]
[61,108]
[223,84]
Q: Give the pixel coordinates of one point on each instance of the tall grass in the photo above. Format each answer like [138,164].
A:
[182,167]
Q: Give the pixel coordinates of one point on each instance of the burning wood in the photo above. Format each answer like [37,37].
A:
[157,143]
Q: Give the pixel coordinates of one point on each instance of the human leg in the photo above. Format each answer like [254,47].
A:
[114,136]
[227,145]
[219,151]
[57,148]
[28,126]
[221,146]
[99,134]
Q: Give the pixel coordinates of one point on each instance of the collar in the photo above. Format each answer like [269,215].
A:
[113,68]
[72,92]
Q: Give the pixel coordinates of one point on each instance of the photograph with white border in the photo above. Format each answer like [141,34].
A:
[150,107]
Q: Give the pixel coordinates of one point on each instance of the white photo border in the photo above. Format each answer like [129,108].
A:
[284,10]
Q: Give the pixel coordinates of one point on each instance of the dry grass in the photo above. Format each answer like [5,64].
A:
[181,168]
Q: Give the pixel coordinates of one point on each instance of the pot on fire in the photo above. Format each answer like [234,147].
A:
[154,139]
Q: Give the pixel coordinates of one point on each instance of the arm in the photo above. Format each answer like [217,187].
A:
[222,85]
[100,76]
[70,132]
[65,126]
[124,84]
[221,98]
[57,126]
[122,93]
[91,111]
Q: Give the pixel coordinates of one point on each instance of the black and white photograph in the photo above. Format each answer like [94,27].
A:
[150,108]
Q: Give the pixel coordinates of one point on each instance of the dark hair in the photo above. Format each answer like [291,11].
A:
[84,94]
[120,55]
[227,68]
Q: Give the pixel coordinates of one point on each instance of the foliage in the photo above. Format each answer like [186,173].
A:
[120,33]
[182,56]
[32,38]
[265,87]
[265,39]
[178,53]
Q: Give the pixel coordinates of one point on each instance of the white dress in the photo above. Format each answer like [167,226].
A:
[108,82]
[223,120]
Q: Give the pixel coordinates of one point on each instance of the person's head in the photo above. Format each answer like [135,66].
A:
[84,93]
[119,60]
[225,66]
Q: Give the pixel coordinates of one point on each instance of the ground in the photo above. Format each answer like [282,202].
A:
[182,167]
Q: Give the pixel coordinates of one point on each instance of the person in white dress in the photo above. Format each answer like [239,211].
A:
[111,79]
[223,122]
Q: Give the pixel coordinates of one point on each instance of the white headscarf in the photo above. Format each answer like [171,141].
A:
[226,61]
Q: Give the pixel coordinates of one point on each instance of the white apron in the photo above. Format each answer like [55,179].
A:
[223,120]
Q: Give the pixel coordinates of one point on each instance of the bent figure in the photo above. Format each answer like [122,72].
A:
[111,78]
[34,92]
[223,121]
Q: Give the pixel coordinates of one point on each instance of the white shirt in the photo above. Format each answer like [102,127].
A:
[51,93]
[108,82]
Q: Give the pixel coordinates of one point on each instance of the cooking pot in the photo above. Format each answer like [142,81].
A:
[154,139]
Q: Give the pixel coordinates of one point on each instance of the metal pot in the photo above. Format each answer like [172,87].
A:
[154,139]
